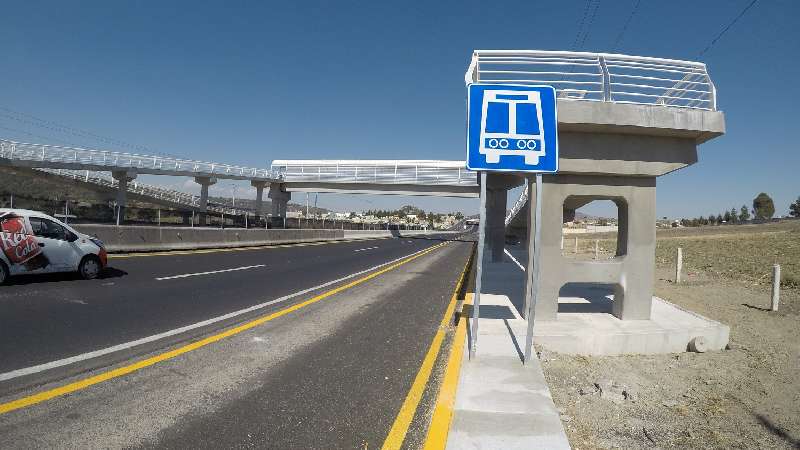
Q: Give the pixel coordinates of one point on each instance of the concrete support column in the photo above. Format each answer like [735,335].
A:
[639,236]
[280,199]
[122,176]
[496,200]
[497,188]
[186,218]
[204,183]
[259,185]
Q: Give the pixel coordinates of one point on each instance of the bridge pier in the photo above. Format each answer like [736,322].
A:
[259,185]
[204,183]
[122,176]
[497,188]
[280,199]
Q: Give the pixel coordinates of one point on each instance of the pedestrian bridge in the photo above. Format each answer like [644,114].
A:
[402,177]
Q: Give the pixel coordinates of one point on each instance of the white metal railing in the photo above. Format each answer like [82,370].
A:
[419,172]
[77,157]
[599,76]
[520,203]
[135,187]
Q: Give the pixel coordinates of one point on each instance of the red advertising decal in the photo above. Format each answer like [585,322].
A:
[16,240]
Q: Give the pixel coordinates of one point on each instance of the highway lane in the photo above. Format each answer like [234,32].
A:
[332,373]
[48,318]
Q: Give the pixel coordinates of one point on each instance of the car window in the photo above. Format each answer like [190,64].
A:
[47,229]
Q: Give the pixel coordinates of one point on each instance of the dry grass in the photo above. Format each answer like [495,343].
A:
[744,253]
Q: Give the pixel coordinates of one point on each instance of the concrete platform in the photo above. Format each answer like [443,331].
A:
[585,326]
[500,403]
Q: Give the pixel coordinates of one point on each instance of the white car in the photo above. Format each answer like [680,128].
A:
[32,242]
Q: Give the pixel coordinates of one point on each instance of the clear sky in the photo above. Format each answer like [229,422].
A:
[248,82]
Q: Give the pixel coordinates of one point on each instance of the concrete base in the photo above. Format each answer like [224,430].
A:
[500,403]
[585,326]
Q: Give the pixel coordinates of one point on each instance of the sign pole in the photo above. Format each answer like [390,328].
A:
[537,250]
[476,304]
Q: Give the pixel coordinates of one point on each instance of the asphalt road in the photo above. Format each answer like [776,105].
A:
[330,375]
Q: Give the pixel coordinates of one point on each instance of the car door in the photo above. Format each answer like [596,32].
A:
[61,254]
[19,246]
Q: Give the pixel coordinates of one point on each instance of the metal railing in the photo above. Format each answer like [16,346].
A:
[77,157]
[518,205]
[599,76]
[190,201]
[436,173]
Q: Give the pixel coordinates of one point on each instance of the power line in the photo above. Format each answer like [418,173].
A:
[49,138]
[625,27]
[583,22]
[728,27]
[591,22]
[77,132]
[61,128]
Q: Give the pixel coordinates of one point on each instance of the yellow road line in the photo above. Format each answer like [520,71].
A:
[125,370]
[231,249]
[403,420]
[445,402]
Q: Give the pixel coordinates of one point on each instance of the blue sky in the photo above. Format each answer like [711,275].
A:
[246,83]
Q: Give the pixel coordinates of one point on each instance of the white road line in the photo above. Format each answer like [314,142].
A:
[108,350]
[365,249]
[521,267]
[186,275]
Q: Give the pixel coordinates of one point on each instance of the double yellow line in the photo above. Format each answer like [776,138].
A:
[125,370]
[441,420]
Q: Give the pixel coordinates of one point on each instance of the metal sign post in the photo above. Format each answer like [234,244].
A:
[534,287]
[511,128]
[476,304]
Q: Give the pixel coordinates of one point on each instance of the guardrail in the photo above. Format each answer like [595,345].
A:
[54,154]
[452,173]
[600,76]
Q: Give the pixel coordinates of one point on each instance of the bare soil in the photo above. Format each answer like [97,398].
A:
[745,397]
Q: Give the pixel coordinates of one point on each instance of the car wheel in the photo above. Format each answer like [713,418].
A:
[4,273]
[89,268]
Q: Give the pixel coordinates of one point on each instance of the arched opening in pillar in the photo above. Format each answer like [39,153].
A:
[594,298]
[594,228]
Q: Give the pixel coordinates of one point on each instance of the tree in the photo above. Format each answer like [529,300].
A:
[794,208]
[763,207]
[744,214]
[727,217]
[712,219]
[734,217]
[719,219]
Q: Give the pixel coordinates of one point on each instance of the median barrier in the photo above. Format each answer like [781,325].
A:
[134,238]
[127,238]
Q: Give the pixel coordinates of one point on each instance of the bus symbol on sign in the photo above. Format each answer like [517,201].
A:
[512,128]
[512,125]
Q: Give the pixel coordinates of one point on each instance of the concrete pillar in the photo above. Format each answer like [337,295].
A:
[122,176]
[497,188]
[280,199]
[204,183]
[186,217]
[259,185]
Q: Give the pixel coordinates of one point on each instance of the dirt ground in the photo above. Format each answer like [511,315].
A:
[745,397]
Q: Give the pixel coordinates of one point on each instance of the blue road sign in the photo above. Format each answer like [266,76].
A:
[512,128]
